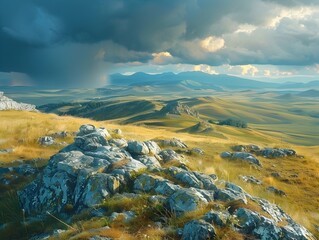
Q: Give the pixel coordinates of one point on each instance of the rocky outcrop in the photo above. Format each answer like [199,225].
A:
[9,104]
[177,108]
[198,230]
[85,174]
[173,142]
[247,157]
[266,152]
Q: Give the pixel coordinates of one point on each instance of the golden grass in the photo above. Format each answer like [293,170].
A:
[20,130]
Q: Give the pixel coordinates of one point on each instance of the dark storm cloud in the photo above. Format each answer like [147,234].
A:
[70,42]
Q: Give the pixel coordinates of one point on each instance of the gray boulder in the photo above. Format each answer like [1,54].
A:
[90,138]
[251,179]
[149,161]
[276,191]
[152,147]
[226,155]
[150,183]
[174,142]
[267,229]
[219,218]
[227,195]
[120,142]
[198,151]
[192,179]
[137,148]
[186,200]
[277,152]
[169,155]
[295,231]
[247,219]
[198,230]
[247,157]
[46,141]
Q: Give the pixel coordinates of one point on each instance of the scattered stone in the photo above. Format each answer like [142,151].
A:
[5,151]
[46,141]
[118,132]
[82,175]
[251,179]
[198,151]
[174,142]
[226,155]
[198,230]
[266,152]
[275,174]
[276,191]
[276,152]
[239,148]
[241,156]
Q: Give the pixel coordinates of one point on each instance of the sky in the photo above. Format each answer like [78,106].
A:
[79,43]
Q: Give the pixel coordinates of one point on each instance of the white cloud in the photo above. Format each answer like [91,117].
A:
[212,44]
[162,58]
[204,68]
[246,28]
[267,73]
[249,70]
[294,13]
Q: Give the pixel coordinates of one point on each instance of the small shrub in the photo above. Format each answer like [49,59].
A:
[233,122]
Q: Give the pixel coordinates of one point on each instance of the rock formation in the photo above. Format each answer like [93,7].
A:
[177,108]
[8,104]
[92,169]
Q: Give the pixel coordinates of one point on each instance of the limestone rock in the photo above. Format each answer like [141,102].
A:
[217,218]
[251,179]
[9,104]
[247,157]
[90,138]
[138,148]
[198,230]
[169,155]
[152,147]
[276,191]
[173,142]
[186,200]
[46,140]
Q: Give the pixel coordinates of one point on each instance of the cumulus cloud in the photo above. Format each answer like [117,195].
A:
[162,58]
[249,70]
[212,44]
[205,68]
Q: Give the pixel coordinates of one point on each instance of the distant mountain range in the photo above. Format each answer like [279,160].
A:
[200,81]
